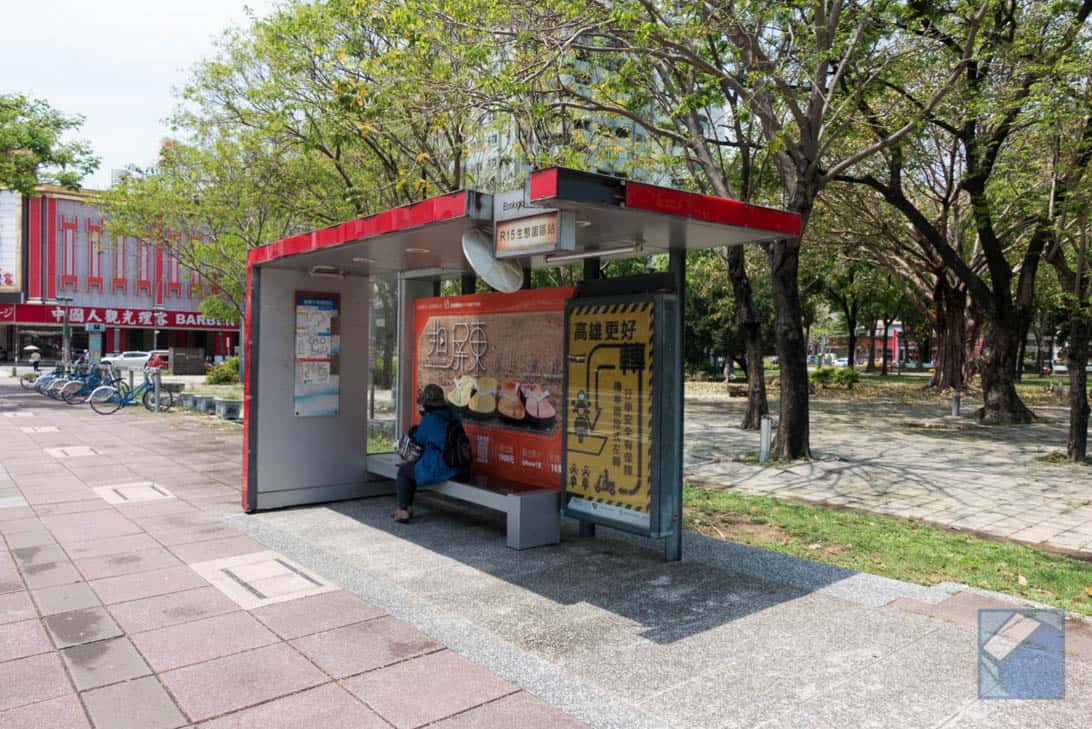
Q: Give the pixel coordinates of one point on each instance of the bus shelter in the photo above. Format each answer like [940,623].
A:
[572,397]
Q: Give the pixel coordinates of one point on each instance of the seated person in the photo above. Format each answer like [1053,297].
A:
[430,434]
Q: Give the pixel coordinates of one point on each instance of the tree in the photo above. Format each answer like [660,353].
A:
[879,234]
[719,320]
[210,204]
[318,113]
[1008,73]
[675,69]
[1068,249]
[32,150]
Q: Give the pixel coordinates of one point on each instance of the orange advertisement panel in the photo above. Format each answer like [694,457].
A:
[498,358]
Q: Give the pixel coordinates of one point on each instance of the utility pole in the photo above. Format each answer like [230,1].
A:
[158,308]
[65,350]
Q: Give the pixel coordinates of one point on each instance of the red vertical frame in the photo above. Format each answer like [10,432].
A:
[159,274]
[174,282]
[144,261]
[94,255]
[34,244]
[120,280]
[69,231]
[196,285]
[51,248]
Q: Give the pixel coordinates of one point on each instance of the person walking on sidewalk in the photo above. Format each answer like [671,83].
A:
[430,435]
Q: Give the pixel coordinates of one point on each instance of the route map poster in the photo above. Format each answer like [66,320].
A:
[318,340]
[498,359]
[609,411]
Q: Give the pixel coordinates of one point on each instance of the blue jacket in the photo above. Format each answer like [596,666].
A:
[430,435]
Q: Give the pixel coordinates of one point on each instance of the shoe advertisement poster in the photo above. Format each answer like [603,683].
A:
[498,359]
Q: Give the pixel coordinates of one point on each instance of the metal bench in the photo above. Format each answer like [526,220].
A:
[534,513]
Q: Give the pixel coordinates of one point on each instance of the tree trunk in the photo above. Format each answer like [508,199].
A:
[951,312]
[972,326]
[751,329]
[793,432]
[1079,332]
[871,367]
[851,359]
[1018,370]
[1001,403]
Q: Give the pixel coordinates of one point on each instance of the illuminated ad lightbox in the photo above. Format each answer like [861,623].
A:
[619,390]
[498,359]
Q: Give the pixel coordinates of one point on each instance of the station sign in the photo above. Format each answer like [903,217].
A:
[524,230]
[617,399]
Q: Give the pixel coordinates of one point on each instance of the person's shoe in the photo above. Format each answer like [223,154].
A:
[402,516]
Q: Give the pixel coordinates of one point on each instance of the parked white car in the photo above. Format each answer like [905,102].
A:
[127,360]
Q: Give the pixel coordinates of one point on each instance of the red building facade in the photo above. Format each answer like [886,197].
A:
[60,259]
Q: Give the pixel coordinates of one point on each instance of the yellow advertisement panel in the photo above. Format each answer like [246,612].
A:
[608,442]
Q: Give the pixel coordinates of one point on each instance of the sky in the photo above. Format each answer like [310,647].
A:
[116,62]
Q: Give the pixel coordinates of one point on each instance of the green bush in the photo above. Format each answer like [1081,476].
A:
[226,373]
[821,377]
[846,377]
[831,377]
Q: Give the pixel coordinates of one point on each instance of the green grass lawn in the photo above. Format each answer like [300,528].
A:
[379,443]
[903,550]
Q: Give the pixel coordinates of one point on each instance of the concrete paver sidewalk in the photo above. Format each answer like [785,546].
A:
[436,623]
[127,603]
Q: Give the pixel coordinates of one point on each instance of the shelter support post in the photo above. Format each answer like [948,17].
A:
[409,290]
[592,272]
[591,269]
[677,263]
[468,284]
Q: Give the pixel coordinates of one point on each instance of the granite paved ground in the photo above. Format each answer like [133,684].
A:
[911,461]
[127,603]
[143,607]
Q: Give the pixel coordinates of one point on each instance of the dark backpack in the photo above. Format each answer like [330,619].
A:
[457,453]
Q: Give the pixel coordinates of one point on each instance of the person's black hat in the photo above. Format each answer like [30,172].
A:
[431,397]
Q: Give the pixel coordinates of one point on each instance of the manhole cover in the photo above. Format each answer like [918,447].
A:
[129,493]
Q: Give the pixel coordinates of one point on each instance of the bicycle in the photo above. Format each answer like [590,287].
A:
[108,399]
[28,380]
[46,379]
[76,391]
